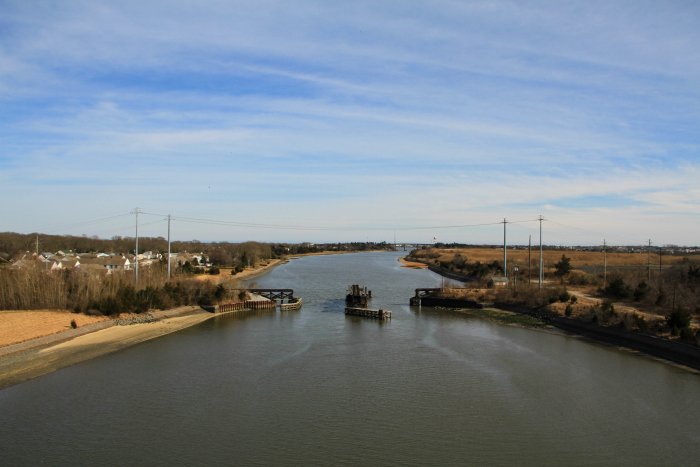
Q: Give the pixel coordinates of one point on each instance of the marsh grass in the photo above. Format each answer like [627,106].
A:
[504,317]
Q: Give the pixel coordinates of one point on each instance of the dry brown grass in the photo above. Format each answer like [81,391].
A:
[412,264]
[22,325]
[549,257]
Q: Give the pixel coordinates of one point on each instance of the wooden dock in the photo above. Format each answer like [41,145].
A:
[368,313]
[247,305]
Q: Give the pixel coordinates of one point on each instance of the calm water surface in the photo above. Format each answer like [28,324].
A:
[314,387]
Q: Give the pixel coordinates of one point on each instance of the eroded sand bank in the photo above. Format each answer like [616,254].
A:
[29,364]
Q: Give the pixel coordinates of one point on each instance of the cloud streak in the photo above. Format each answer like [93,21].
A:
[417,112]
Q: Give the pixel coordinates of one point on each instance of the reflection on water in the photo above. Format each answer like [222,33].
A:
[315,387]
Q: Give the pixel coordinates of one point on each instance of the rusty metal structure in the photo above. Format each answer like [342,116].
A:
[422,293]
[357,296]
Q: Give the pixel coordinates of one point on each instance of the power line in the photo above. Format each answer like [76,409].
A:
[352,229]
[222,222]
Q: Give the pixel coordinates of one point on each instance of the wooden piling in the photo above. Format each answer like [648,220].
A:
[368,313]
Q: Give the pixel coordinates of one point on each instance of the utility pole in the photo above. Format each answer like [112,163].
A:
[37,246]
[136,256]
[649,263]
[540,219]
[605,267]
[529,260]
[504,248]
[169,246]
[660,252]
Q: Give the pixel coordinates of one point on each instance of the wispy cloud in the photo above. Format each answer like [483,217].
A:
[419,113]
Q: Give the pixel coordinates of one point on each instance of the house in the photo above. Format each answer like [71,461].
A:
[498,282]
[107,263]
[70,264]
[117,263]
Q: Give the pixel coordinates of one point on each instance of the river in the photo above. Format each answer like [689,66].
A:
[315,387]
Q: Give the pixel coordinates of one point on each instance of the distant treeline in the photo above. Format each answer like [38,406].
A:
[220,253]
[554,247]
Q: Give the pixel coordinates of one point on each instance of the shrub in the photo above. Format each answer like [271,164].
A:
[619,288]
[574,299]
[608,308]
[563,267]
[641,291]
[564,297]
[568,310]
[580,278]
[73,324]
[553,299]
[640,322]
[495,265]
[687,334]
[214,271]
[678,319]
[220,292]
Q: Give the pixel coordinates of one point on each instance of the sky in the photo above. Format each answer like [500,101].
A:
[329,121]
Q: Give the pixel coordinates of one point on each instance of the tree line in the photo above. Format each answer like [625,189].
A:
[221,253]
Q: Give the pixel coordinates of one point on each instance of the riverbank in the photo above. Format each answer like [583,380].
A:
[36,342]
[24,361]
[508,318]
[411,264]
[672,351]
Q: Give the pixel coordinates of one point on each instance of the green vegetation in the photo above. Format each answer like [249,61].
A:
[568,310]
[563,267]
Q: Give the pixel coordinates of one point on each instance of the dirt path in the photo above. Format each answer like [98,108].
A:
[618,306]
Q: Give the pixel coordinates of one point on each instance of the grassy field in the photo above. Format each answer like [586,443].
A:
[549,257]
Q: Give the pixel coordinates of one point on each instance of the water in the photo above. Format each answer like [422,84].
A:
[314,387]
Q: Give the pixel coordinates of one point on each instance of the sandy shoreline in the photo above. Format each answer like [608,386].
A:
[20,366]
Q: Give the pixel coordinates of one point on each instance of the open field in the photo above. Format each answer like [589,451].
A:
[549,257]
[21,325]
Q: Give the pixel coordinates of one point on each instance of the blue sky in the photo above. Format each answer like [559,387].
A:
[356,118]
